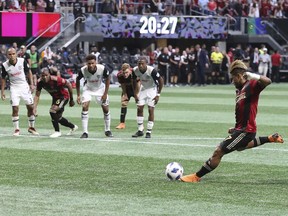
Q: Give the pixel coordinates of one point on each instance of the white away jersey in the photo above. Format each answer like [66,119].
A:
[16,72]
[149,79]
[94,81]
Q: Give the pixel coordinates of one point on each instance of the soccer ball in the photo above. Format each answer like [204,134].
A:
[174,171]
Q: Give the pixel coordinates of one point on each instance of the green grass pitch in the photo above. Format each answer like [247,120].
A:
[125,176]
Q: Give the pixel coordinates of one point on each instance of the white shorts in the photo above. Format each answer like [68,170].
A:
[87,96]
[146,96]
[24,93]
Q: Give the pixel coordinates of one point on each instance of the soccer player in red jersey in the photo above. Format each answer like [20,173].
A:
[243,135]
[61,91]
[125,79]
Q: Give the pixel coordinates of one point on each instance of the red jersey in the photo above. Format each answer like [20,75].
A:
[126,81]
[276,59]
[247,105]
[55,87]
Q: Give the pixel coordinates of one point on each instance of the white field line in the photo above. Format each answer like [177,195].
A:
[150,142]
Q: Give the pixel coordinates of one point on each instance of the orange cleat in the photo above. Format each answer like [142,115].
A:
[121,126]
[190,178]
[276,138]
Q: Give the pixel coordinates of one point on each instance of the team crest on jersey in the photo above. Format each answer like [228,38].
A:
[240,97]
[98,76]
[20,67]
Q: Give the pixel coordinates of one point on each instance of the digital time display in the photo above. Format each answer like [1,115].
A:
[151,25]
[156,26]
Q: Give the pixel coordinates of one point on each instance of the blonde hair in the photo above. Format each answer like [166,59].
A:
[237,66]
[125,66]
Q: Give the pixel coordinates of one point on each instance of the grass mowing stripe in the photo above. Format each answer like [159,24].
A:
[114,176]
[199,149]
[125,176]
[42,202]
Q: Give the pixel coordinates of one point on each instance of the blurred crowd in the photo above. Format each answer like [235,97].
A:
[28,5]
[194,65]
[234,8]
[61,62]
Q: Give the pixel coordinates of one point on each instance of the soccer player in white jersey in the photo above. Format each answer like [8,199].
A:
[146,93]
[265,62]
[93,75]
[16,69]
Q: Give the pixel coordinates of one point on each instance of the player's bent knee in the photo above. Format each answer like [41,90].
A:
[218,153]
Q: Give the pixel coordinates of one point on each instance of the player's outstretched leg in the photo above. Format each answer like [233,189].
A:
[258,141]
[276,138]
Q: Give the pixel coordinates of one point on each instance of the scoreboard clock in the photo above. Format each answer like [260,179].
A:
[164,25]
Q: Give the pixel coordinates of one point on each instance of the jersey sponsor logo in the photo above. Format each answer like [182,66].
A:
[240,97]
[16,74]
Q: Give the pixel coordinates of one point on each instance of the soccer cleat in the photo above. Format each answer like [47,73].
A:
[32,131]
[276,138]
[16,132]
[121,126]
[84,135]
[148,135]
[72,130]
[108,134]
[190,178]
[55,134]
[138,134]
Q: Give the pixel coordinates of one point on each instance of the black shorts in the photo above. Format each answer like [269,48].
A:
[216,67]
[236,141]
[35,71]
[174,71]
[60,102]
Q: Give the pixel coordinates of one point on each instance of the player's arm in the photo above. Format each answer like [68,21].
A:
[263,80]
[3,83]
[29,74]
[159,59]
[135,85]
[28,60]
[36,98]
[123,87]
[159,82]
[172,61]
[70,90]
[78,78]
[121,81]
[106,76]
